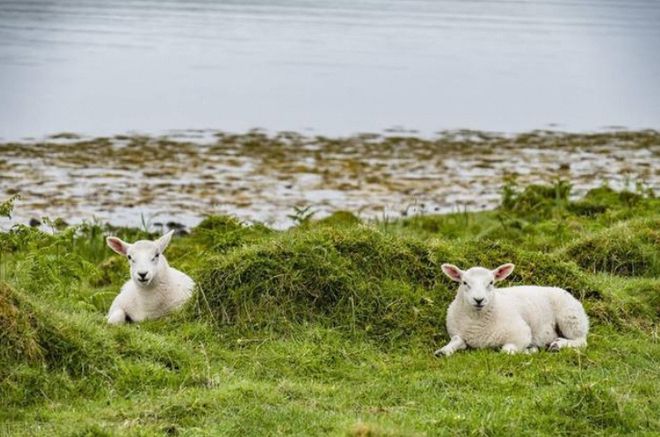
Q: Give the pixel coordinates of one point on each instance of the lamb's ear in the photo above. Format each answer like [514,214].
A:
[164,241]
[454,273]
[503,271]
[119,246]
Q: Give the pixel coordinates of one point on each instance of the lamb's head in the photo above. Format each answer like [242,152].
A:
[144,257]
[477,285]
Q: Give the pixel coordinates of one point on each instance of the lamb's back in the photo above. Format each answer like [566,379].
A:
[533,295]
[179,288]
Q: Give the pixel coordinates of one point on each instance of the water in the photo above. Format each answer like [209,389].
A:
[333,67]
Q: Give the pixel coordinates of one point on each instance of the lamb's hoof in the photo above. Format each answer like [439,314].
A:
[531,349]
[441,353]
[509,349]
[555,346]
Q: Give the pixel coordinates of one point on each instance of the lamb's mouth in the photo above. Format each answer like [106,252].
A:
[479,307]
[143,281]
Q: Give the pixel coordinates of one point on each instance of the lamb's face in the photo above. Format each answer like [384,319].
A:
[477,285]
[144,257]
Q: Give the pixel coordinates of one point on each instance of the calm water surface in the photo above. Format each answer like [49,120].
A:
[334,67]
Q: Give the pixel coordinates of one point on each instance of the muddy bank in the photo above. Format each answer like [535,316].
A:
[139,180]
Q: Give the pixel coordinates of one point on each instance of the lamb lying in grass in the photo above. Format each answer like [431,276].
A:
[515,319]
[154,289]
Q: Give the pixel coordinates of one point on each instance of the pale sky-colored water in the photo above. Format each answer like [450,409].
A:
[337,67]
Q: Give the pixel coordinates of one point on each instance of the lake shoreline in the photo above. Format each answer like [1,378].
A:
[260,177]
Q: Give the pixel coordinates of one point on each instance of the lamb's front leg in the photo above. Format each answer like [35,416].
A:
[455,344]
[116,317]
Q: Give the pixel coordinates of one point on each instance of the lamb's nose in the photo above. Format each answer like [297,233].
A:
[478,301]
[142,275]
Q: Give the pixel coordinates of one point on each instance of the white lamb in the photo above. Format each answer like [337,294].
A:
[155,288]
[515,319]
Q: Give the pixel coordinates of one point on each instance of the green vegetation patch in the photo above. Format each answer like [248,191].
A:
[18,336]
[354,279]
[629,248]
[38,341]
[602,199]
[534,201]
[223,233]
[328,328]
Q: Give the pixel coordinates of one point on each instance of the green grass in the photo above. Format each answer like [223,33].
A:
[329,327]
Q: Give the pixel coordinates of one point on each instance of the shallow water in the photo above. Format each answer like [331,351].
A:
[147,180]
[337,67]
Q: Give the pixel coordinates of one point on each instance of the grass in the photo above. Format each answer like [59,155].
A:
[329,327]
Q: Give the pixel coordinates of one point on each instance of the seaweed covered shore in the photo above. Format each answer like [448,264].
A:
[328,327]
[257,176]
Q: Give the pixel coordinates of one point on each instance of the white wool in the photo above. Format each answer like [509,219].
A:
[515,319]
[155,288]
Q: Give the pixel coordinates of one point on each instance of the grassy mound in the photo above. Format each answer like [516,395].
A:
[18,336]
[603,199]
[629,249]
[37,340]
[354,278]
[340,218]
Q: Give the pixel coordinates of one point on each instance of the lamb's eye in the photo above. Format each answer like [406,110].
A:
[491,283]
[155,257]
[130,258]
[465,283]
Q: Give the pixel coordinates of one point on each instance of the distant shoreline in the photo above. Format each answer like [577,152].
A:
[128,180]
